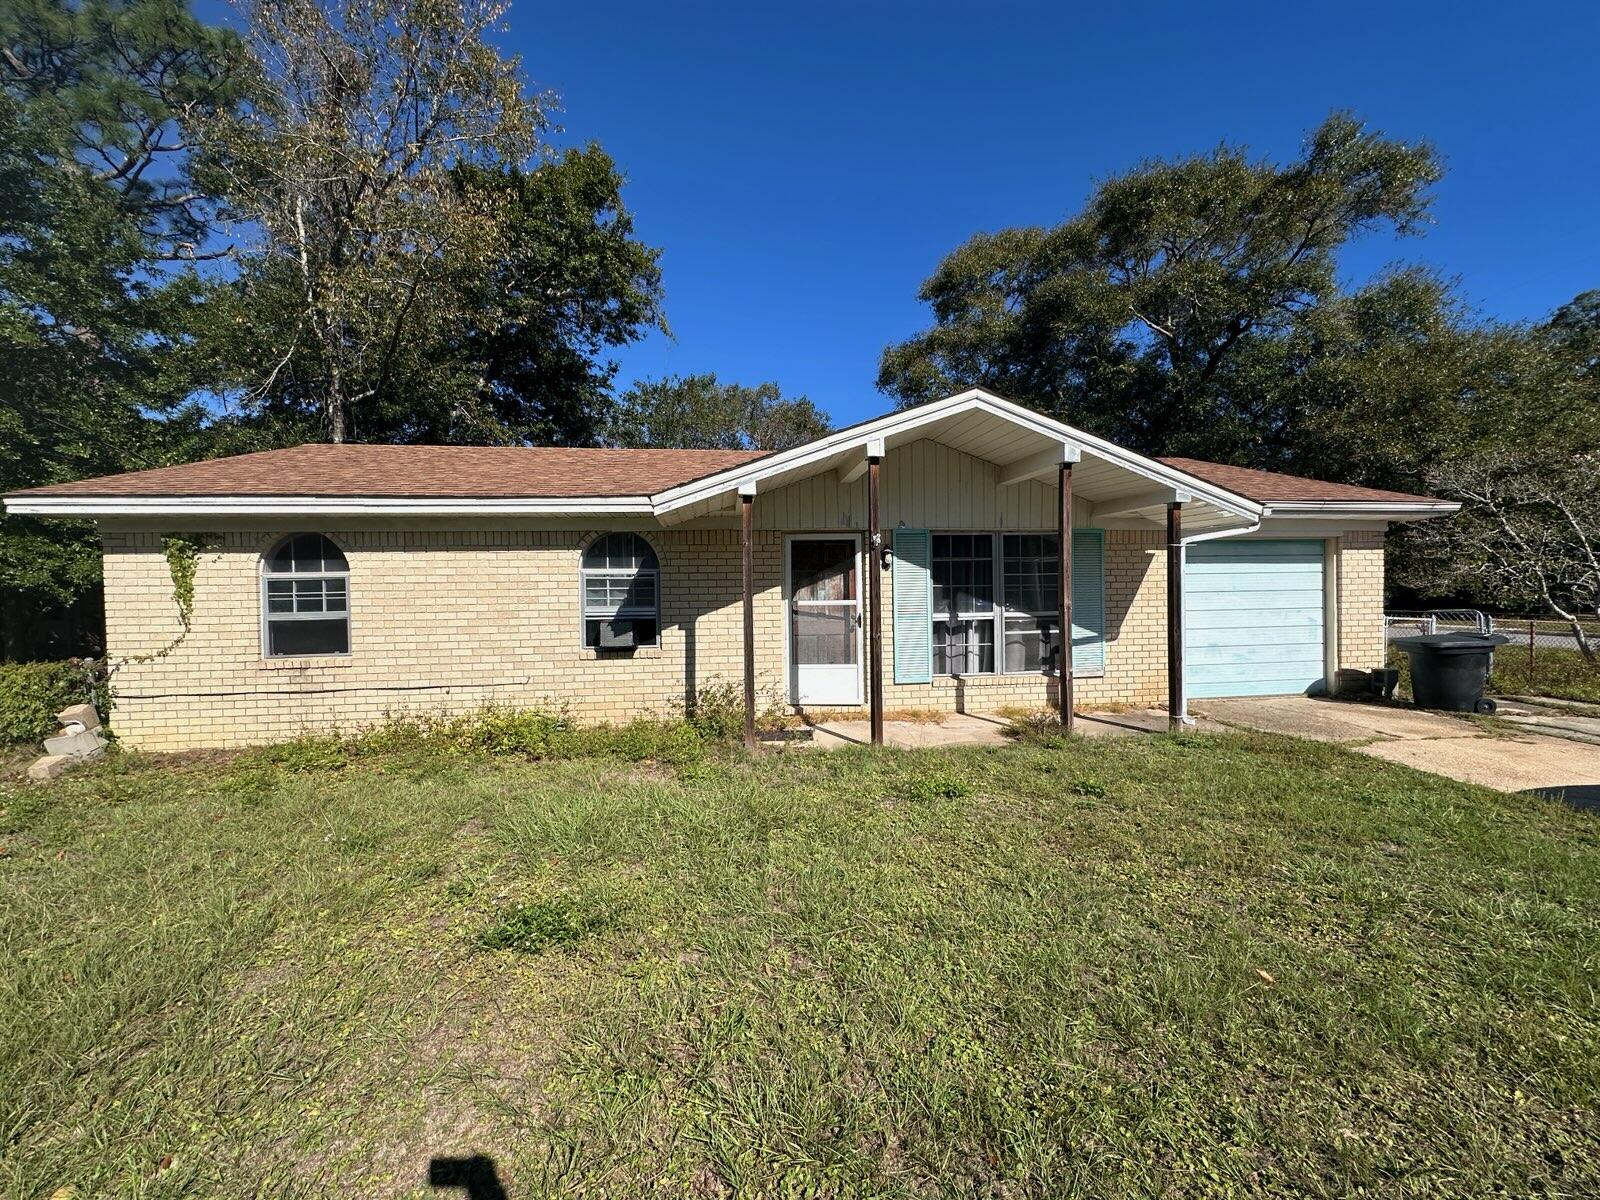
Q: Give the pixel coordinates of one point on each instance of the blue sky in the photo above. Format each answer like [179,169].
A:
[804,167]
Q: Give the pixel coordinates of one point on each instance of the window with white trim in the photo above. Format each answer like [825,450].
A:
[620,591]
[970,619]
[305,598]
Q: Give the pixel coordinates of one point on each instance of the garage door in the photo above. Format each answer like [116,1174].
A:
[1252,618]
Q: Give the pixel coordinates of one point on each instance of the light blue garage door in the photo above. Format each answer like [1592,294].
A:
[1252,618]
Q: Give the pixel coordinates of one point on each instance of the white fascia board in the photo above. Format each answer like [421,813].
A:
[1371,510]
[972,400]
[352,506]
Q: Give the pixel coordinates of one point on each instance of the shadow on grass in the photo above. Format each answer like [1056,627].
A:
[1585,797]
[475,1176]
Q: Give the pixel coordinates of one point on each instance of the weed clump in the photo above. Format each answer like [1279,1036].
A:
[940,785]
[558,922]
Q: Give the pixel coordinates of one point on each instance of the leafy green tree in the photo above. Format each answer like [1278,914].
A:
[697,412]
[1504,419]
[101,231]
[343,167]
[1151,317]
[1575,330]
[414,280]
[567,282]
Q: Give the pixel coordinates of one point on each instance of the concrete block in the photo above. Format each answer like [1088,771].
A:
[77,745]
[47,768]
[79,714]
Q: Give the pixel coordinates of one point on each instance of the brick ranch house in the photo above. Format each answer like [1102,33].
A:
[906,562]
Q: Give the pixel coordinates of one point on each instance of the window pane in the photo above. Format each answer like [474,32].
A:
[604,595]
[823,569]
[963,574]
[597,594]
[280,596]
[295,638]
[619,552]
[307,554]
[1030,572]
[308,595]
[963,647]
[1032,643]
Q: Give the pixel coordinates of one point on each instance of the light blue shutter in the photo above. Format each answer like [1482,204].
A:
[1089,601]
[912,581]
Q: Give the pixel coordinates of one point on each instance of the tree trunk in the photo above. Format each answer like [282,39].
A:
[1586,645]
[335,405]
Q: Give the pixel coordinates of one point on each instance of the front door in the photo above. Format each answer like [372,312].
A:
[825,620]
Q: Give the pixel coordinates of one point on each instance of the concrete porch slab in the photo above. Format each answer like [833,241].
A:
[958,729]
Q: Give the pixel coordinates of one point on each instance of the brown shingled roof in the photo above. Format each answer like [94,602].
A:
[1268,487]
[471,472]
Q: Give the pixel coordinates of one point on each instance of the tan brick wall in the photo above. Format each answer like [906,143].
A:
[1360,597]
[440,621]
[448,621]
[451,620]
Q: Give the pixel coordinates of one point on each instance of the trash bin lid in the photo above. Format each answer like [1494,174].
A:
[1462,642]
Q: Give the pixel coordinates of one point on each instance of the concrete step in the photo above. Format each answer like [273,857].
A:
[78,745]
[1582,707]
[1570,731]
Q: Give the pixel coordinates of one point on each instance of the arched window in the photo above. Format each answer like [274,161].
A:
[305,598]
[621,593]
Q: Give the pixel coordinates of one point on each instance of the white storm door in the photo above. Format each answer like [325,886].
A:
[825,619]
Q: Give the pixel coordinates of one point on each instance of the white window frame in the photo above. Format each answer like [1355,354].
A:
[269,618]
[999,611]
[622,611]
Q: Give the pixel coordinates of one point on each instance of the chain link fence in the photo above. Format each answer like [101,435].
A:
[1541,657]
[1437,620]
[1543,633]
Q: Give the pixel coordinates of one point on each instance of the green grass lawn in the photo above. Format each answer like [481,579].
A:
[1174,966]
[1563,674]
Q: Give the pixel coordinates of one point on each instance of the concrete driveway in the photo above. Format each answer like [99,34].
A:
[1429,741]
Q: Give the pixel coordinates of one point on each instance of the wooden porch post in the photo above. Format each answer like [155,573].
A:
[1175,615]
[874,592]
[747,504]
[1064,591]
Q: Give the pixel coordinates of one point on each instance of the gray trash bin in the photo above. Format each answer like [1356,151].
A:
[1449,670]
